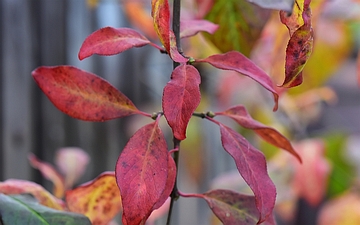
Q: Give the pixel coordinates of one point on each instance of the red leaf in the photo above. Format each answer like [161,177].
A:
[142,173]
[169,183]
[161,15]
[180,98]
[251,164]
[269,134]
[98,199]
[192,27]
[300,44]
[174,53]
[237,62]
[298,52]
[81,94]
[111,41]
[234,208]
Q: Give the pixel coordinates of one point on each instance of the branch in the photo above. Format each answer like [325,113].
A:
[176,29]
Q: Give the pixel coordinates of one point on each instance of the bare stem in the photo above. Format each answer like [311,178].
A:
[175,193]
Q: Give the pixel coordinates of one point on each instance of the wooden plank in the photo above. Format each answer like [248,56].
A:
[17,65]
[1,91]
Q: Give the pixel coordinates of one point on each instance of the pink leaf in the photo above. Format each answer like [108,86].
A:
[237,62]
[251,164]
[180,98]
[269,134]
[310,178]
[192,27]
[72,163]
[111,41]
[82,95]
[142,173]
[234,208]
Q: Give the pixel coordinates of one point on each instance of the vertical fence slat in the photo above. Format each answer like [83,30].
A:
[17,65]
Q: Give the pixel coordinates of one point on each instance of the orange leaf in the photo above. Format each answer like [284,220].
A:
[139,17]
[341,210]
[50,173]
[98,199]
[13,187]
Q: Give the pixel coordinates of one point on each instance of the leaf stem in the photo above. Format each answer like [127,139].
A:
[176,29]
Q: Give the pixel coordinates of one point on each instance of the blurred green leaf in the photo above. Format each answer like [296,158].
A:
[343,172]
[240,25]
[24,209]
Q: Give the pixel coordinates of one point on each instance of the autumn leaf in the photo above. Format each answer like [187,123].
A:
[82,95]
[71,162]
[269,134]
[203,7]
[169,183]
[190,28]
[14,186]
[181,97]
[300,44]
[311,177]
[240,25]
[235,61]
[111,41]
[233,208]
[98,199]
[251,165]
[343,209]
[50,173]
[138,15]
[161,17]
[142,172]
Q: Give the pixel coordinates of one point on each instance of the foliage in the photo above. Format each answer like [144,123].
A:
[146,170]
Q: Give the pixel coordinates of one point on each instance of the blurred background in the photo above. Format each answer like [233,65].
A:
[321,117]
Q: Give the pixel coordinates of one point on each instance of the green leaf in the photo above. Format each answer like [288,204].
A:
[240,25]
[24,209]
[342,174]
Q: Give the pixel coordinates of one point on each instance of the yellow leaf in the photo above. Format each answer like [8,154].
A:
[98,199]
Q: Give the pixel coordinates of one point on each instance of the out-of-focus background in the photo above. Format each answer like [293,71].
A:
[321,117]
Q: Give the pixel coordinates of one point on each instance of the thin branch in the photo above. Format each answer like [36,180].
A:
[174,194]
[176,29]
